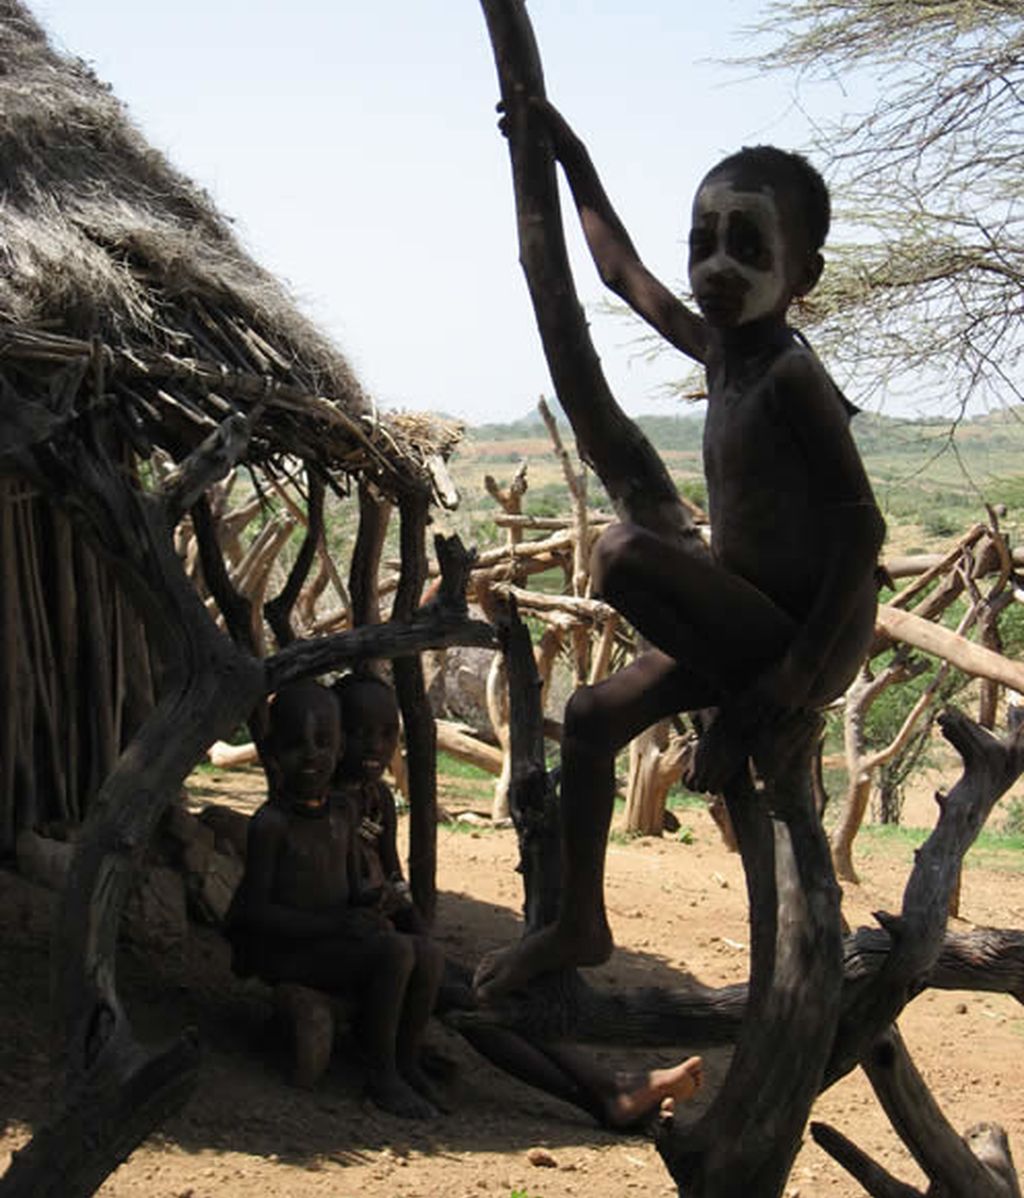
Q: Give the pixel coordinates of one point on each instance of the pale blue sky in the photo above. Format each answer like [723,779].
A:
[355,145]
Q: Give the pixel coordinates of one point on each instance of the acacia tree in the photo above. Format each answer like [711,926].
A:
[927,288]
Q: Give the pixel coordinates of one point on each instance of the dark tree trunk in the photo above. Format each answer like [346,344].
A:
[633,474]
[985,959]
[417,716]
[533,803]
[746,1141]
[364,571]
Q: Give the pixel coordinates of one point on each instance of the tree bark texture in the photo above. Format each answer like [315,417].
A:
[747,1139]
[634,476]
[532,800]
[417,716]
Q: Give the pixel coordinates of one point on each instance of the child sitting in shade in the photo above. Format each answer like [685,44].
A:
[369,715]
[618,1101]
[294,918]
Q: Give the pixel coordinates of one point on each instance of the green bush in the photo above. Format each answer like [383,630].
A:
[1013,820]
[939,523]
[694,490]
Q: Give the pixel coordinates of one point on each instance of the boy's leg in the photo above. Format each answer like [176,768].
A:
[420,1000]
[375,963]
[392,965]
[636,1098]
[599,721]
[622,1100]
[713,622]
[538,1065]
[715,633]
[576,1077]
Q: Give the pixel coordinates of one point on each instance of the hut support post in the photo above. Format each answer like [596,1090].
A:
[532,800]
[364,571]
[417,717]
[11,669]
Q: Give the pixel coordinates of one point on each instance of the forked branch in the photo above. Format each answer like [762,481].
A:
[279,610]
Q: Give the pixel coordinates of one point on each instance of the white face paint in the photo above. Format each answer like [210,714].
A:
[737,255]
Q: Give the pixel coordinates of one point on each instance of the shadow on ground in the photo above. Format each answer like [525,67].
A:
[243,1103]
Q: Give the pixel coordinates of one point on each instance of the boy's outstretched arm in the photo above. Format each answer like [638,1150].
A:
[611,247]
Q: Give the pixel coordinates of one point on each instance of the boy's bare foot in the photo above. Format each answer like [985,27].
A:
[545,951]
[393,1094]
[678,1083]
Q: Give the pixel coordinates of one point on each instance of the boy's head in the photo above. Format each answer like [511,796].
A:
[303,743]
[369,714]
[760,218]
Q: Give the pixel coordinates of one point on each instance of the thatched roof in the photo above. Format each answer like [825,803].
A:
[108,254]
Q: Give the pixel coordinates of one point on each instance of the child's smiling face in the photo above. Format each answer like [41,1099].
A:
[304,741]
[370,716]
[747,254]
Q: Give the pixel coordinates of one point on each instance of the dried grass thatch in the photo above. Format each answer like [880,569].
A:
[101,239]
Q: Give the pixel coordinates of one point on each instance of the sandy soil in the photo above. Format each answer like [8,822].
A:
[677,908]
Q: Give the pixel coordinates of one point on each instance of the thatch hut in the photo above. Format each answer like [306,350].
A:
[143,355]
[124,291]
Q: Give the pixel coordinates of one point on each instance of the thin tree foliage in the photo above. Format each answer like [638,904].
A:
[924,286]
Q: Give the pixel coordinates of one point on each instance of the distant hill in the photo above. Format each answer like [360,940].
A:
[928,469]
[666,432]
[932,481]
[877,436]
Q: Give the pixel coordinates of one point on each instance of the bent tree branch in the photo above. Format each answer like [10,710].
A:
[113,1090]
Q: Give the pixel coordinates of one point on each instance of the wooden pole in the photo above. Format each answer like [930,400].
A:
[417,717]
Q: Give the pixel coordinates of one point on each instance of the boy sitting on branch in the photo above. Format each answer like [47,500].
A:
[779,616]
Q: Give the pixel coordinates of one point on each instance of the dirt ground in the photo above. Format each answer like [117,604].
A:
[678,910]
